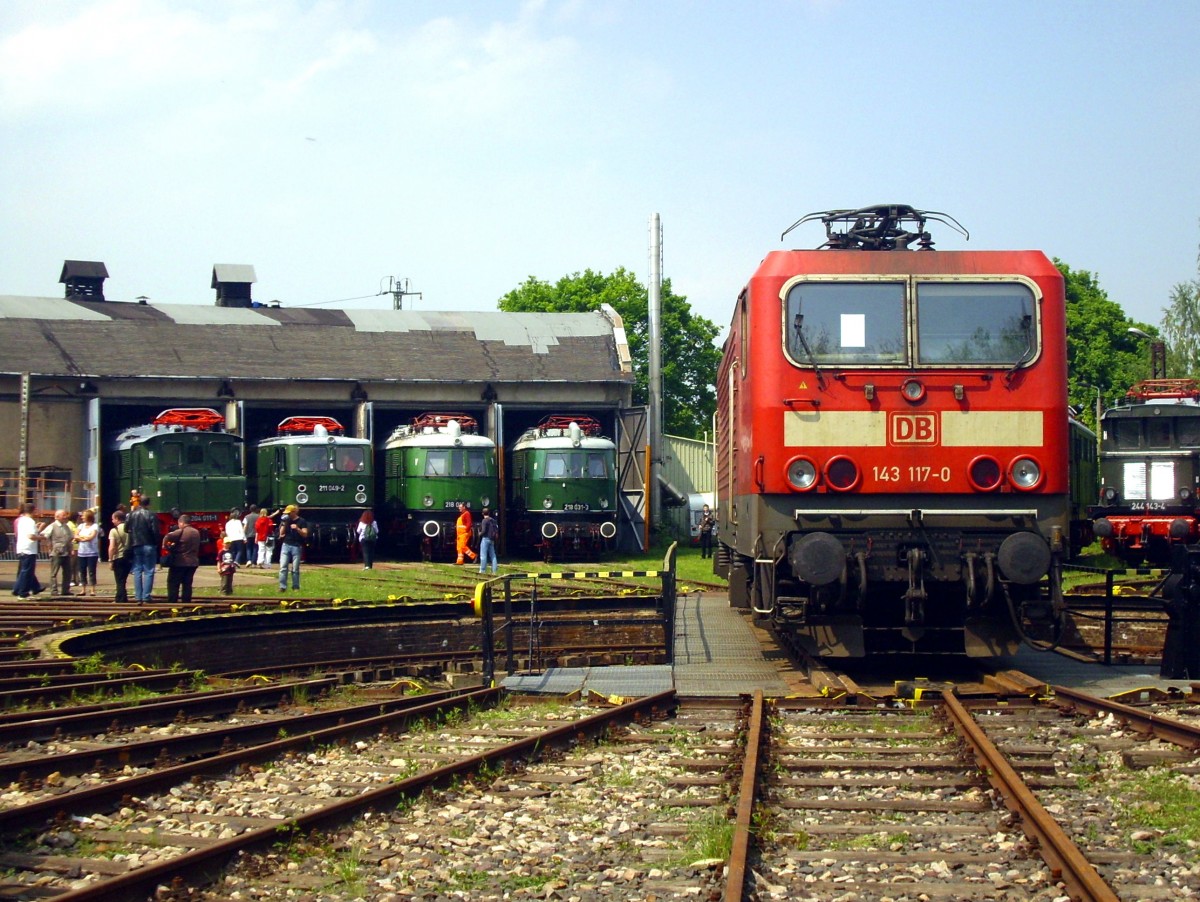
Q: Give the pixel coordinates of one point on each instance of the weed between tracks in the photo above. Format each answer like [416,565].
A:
[1166,803]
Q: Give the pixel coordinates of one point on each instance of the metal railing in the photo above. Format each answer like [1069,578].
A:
[1127,609]
[498,593]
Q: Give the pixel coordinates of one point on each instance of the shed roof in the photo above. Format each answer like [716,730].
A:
[86,269]
[63,337]
[239,273]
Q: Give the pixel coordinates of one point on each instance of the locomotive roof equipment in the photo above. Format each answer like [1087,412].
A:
[878,228]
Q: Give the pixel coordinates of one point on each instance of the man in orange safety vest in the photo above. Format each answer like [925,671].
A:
[462,533]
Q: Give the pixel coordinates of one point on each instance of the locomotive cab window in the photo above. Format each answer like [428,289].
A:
[846,322]
[223,458]
[975,323]
[1158,432]
[597,468]
[1128,434]
[477,463]
[1188,429]
[351,460]
[437,463]
[915,321]
[312,459]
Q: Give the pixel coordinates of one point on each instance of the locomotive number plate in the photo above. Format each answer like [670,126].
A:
[911,474]
[577,506]
[331,488]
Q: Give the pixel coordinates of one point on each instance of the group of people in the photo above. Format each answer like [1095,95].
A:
[489,534]
[181,549]
[72,545]
[137,547]
[250,536]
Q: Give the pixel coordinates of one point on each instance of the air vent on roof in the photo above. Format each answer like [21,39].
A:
[84,279]
[232,282]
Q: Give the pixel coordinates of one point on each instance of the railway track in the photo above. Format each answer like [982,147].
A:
[961,800]
[175,825]
[799,800]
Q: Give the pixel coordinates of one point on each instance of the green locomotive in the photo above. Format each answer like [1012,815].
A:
[186,464]
[564,489]
[312,463]
[430,466]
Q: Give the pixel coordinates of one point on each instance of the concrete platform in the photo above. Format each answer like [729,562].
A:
[1105,680]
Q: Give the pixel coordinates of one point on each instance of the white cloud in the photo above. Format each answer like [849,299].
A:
[121,55]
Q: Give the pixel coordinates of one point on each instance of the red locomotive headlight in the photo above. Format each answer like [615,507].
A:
[985,474]
[1025,474]
[841,473]
[801,474]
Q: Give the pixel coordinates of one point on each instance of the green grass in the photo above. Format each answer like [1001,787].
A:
[709,837]
[1159,801]
[419,581]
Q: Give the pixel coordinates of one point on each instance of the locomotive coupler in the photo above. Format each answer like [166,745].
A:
[969,578]
[914,598]
[1181,591]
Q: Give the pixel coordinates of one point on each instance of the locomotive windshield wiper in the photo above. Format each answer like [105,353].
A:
[1027,329]
[812,358]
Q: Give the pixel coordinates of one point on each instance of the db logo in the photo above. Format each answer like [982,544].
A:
[913,429]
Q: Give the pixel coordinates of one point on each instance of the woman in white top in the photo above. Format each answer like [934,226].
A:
[87,550]
[235,534]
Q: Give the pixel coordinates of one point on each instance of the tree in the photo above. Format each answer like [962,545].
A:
[1181,328]
[689,357]
[1102,355]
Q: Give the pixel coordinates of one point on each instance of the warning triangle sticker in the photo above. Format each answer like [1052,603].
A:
[803,386]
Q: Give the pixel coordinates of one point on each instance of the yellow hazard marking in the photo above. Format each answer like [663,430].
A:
[803,386]
[590,574]
[479,590]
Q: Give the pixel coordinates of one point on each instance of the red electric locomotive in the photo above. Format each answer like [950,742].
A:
[1150,472]
[892,441]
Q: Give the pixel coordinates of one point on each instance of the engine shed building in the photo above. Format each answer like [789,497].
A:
[76,370]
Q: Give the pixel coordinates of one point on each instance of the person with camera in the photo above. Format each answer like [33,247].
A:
[181,548]
[293,534]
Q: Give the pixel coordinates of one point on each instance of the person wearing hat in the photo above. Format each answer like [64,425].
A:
[293,533]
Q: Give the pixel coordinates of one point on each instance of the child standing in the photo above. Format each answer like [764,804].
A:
[227,566]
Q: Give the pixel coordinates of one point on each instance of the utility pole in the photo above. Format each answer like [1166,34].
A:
[398,289]
[1158,353]
[653,507]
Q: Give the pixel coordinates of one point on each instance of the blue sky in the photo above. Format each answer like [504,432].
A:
[466,146]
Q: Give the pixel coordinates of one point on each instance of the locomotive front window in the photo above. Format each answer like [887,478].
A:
[576,465]
[222,458]
[477,463]
[1158,433]
[437,463]
[597,466]
[312,459]
[351,460]
[846,322]
[556,466]
[974,323]
[1128,434]
[1188,429]
[170,456]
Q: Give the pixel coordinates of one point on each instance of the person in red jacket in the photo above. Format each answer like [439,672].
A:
[463,529]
